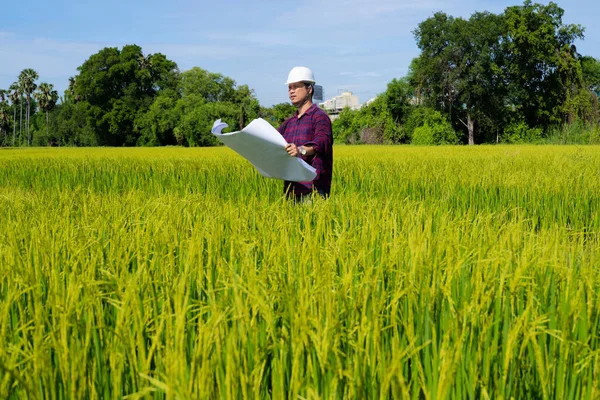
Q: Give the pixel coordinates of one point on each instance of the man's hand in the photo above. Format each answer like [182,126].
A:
[292,149]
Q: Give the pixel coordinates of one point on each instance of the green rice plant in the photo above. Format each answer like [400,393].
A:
[436,273]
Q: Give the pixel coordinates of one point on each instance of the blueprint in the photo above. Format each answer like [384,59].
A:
[264,147]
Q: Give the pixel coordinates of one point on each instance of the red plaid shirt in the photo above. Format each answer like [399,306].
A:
[313,128]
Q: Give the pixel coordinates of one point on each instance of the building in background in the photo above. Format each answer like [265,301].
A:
[335,105]
[318,94]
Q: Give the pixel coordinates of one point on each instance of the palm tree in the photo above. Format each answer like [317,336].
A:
[71,90]
[15,98]
[47,98]
[4,116]
[27,79]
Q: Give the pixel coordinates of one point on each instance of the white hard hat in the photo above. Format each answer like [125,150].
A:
[300,74]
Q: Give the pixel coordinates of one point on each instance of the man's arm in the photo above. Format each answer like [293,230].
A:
[323,137]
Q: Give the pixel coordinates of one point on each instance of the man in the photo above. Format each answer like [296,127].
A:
[308,134]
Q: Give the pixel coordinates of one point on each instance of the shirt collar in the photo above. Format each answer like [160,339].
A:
[310,111]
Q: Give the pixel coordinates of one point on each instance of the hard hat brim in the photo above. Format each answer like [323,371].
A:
[306,81]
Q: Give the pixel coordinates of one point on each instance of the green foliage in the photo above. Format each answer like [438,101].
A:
[431,128]
[27,79]
[196,123]
[377,120]
[5,123]
[590,69]
[46,96]
[521,62]
[398,97]
[249,107]
[459,70]
[345,127]
[68,125]
[210,86]
[157,126]
[541,61]
[518,133]
[371,124]
[578,132]
[581,105]
[278,113]
[119,86]
[125,98]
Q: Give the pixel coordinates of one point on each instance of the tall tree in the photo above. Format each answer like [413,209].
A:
[277,113]
[70,92]
[398,96]
[540,58]
[460,66]
[15,99]
[212,87]
[27,79]
[119,86]
[4,115]
[47,98]
[590,68]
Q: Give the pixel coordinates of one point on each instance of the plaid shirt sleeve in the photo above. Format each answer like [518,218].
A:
[323,138]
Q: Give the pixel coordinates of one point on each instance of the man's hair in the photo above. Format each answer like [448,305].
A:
[312,86]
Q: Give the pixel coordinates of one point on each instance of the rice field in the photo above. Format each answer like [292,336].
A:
[431,273]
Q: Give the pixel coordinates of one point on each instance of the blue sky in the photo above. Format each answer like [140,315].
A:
[357,45]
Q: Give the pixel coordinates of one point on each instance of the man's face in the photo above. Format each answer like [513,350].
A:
[297,92]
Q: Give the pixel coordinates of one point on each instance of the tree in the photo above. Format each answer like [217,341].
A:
[205,97]
[47,98]
[119,86]
[345,127]
[373,123]
[493,71]
[210,86]
[73,127]
[540,56]
[460,67]
[591,73]
[248,104]
[398,97]
[590,70]
[157,126]
[27,79]
[278,113]
[4,115]
[434,129]
[70,92]
[15,99]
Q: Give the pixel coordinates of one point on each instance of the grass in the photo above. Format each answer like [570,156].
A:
[434,273]
[574,133]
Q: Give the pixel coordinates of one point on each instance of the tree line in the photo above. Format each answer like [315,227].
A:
[24,91]
[123,97]
[510,77]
